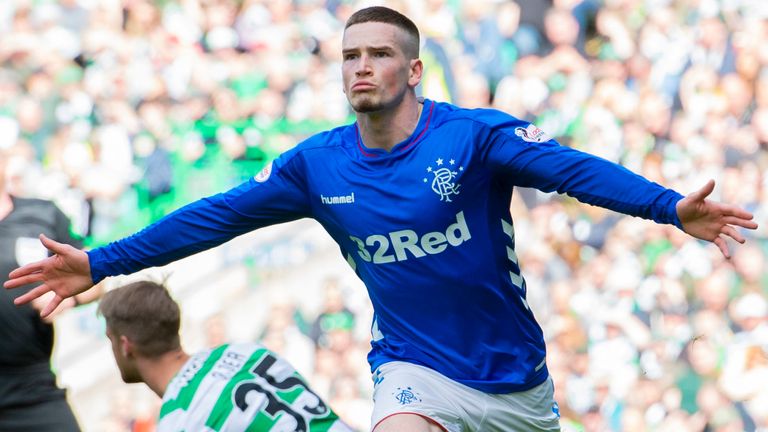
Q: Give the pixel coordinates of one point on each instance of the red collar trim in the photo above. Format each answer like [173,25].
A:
[412,143]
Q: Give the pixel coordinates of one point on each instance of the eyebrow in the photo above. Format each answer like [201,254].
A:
[371,48]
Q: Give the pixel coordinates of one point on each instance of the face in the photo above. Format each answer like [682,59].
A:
[376,71]
[123,358]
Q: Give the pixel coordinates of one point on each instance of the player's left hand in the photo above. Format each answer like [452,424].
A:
[713,221]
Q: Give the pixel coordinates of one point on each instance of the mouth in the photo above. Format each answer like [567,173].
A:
[363,86]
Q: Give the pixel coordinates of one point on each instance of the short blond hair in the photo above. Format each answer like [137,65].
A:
[146,314]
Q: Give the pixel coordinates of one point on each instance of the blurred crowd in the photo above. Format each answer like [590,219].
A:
[122,110]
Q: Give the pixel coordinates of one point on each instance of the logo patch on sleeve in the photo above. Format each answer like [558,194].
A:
[532,134]
[264,174]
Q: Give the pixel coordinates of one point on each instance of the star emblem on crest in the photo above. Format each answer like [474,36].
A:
[443,182]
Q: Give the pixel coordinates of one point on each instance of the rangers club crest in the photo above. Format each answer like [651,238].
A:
[406,396]
[443,180]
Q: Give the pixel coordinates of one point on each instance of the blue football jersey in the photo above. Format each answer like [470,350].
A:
[426,226]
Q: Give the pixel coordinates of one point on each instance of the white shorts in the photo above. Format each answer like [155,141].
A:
[401,387]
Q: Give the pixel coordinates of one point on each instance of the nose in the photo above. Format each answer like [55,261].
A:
[363,66]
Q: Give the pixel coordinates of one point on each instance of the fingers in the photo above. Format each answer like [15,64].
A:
[35,267]
[67,303]
[704,192]
[737,212]
[721,244]
[742,222]
[52,305]
[733,233]
[17,279]
[738,219]
[32,294]
[52,245]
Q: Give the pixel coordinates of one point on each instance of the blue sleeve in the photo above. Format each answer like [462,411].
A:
[518,149]
[277,194]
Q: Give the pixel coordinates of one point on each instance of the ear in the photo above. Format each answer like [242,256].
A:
[126,346]
[417,69]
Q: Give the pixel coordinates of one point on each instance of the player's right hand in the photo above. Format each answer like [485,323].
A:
[66,273]
[41,302]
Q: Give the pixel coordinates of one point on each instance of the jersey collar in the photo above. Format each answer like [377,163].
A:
[416,136]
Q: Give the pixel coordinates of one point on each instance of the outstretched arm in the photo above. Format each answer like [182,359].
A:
[198,226]
[523,152]
[712,221]
[66,273]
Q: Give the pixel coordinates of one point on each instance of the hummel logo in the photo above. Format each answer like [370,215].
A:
[342,199]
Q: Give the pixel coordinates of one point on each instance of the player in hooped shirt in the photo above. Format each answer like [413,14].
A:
[228,388]
[416,193]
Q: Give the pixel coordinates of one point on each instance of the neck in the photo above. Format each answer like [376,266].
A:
[157,372]
[384,129]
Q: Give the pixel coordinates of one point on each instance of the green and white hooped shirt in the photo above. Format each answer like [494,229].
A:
[243,387]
